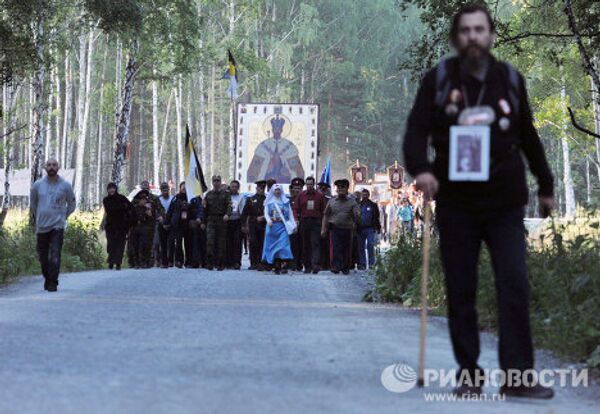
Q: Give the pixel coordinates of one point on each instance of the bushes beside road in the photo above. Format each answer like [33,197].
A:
[82,249]
[564,275]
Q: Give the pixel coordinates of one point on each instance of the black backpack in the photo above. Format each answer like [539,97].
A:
[442,85]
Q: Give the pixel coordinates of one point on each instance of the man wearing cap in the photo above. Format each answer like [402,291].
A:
[270,183]
[165,250]
[234,227]
[308,210]
[217,209]
[254,224]
[340,218]
[296,238]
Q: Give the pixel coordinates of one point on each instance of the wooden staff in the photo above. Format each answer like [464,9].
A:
[424,277]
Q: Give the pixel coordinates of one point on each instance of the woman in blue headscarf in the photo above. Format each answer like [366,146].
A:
[280,223]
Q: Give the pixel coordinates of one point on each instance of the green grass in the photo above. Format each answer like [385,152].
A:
[564,275]
[82,249]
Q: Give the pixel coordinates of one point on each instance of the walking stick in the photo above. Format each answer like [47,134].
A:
[424,277]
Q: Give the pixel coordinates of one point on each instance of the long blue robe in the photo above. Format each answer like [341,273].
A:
[277,241]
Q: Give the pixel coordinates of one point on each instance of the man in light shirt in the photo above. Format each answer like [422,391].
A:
[51,202]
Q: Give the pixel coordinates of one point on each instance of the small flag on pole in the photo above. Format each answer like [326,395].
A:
[231,74]
[194,176]
[326,174]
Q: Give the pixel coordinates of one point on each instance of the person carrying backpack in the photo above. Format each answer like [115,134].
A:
[474,109]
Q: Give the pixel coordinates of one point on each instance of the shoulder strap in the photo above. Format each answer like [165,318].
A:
[514,89]
[442,86]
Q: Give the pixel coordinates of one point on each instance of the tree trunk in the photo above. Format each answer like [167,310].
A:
[98,180]
[139,171]
[118,82]
[165,127]
[10,114]
[85,74]
[567,176]
[47,133]
[122,133]
[588,184]
[30,109]
[213,140]
[596,106]
[4,120]
[58,113]
[155,151]
[202,115]
[39,75]
[68,104]
[178,142]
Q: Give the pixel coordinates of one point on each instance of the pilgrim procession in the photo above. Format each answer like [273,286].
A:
[299,206]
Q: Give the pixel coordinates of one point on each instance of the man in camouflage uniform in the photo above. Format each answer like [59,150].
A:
[142,232]
[139,250]
[217,209]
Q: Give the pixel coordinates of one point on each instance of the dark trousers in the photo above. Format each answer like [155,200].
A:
[257,239]
[140,245]
[234,243]
[341,240]
[461,234]
[183,244]
[199,247]
[115,245]
[366,238]
[49,247]
[354,250]
[311,242]
[216,242]
[166,246]
[326,251]
[296,247]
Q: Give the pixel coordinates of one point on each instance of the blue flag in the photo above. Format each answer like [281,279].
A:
[326,174]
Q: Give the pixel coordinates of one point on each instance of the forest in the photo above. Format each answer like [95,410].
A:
[108,86]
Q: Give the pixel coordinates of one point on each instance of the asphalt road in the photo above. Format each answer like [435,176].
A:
[190,341]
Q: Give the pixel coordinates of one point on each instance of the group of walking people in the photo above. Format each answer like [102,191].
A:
[313,231]
[305,230]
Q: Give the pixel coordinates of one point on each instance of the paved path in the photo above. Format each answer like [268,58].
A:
[186,341]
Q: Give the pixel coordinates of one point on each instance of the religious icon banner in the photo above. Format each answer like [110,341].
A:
[395,177]
[277,141]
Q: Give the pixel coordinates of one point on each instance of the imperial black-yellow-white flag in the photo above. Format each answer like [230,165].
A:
[194,176]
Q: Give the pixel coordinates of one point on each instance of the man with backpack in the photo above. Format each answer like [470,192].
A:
[475,107]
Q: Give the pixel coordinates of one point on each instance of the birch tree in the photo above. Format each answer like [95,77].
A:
[85,74]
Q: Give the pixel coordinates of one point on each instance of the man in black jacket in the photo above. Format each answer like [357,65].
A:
[474,89]
[369,226]
[254,224]
[118,212]
[179,218]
